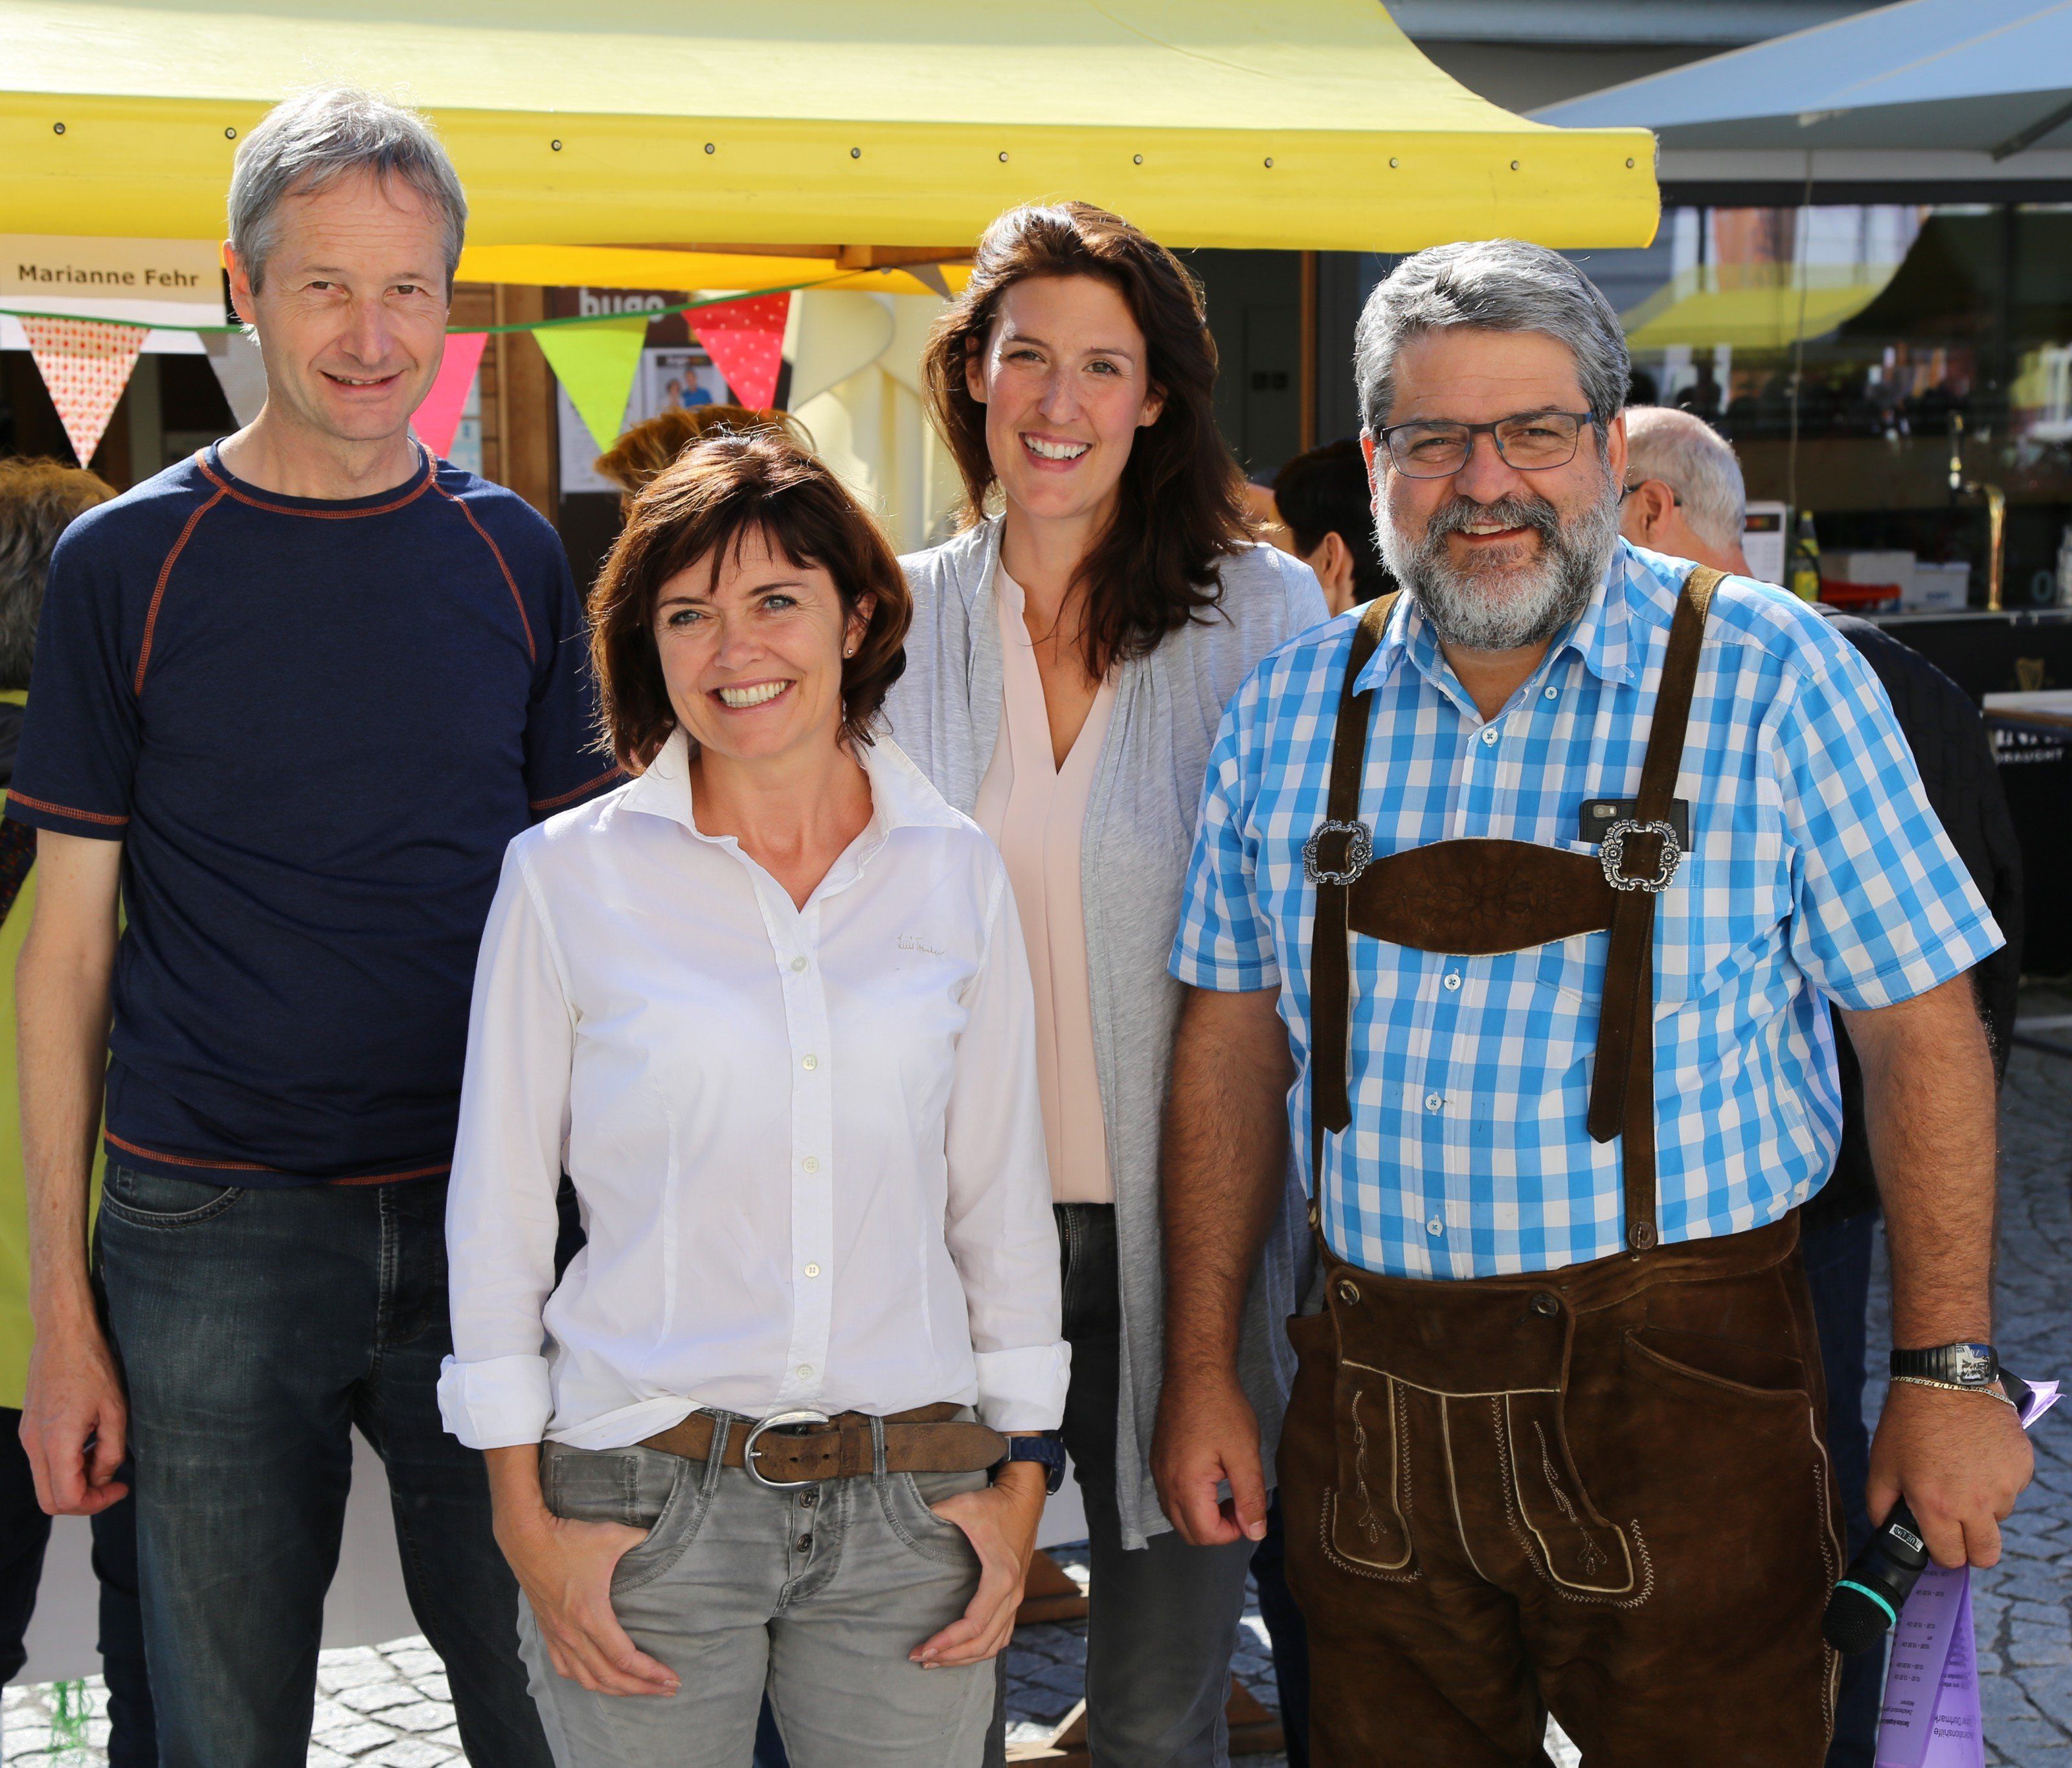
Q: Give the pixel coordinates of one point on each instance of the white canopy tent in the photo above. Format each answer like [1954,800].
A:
[1926,93]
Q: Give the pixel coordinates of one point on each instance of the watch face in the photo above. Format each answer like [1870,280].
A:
[1968,1367]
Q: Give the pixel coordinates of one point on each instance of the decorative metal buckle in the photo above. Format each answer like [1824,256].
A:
[1611,855]
[1359,853]
[778,1420]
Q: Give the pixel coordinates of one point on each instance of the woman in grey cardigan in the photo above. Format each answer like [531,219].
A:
[1069,660]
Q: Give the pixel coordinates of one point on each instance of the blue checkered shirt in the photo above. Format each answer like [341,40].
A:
[1817,873]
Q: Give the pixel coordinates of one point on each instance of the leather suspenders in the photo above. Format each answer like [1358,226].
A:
[1485,896]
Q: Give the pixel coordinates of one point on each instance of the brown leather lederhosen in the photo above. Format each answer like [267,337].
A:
[1508,1493]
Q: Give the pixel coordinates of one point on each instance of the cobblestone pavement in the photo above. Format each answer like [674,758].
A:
[388,1708]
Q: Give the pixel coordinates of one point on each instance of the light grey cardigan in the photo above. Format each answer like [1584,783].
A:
[1139,830]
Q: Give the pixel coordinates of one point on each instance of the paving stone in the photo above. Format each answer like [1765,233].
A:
[416,1753]
[319,1757]
[373,1696]
[359,1739]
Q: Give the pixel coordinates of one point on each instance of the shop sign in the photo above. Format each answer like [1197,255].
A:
[150,282]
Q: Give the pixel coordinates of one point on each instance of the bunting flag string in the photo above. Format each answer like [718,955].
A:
[438,416]
[597,364]
[746,341]
[85,364]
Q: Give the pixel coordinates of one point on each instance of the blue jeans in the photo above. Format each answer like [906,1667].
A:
[1838,1271]
[256,1328]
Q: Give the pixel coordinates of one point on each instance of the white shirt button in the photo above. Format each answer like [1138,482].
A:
[813,1270]
[1553,694]
[1434,1101]
[809,1063]
[1489,733]
[805,1371]
[811,1163]
[1454,981]
[800,963]
[1435,1225]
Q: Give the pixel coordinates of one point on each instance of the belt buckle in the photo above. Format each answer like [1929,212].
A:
[1611,855]
[1359,853]
[778,1420]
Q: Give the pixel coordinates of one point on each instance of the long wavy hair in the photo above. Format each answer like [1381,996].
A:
[1180,508]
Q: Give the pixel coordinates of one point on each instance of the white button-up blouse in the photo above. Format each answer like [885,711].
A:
[806,1142]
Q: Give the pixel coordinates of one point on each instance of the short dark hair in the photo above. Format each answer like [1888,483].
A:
[702,506]
[1182,508]
[39,499]
[1326,491]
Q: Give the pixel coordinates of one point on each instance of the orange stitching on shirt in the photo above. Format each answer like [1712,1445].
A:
[549,803]
[165,574]
[254,1167]
[66,810]
[495,552]
[227,489]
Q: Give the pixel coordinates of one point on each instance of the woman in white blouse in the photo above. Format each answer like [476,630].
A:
[769,1006]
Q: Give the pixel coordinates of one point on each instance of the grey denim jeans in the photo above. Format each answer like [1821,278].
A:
[817,1593]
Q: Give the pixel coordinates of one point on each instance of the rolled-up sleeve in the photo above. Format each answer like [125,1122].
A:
[501,1222]
[999,1227]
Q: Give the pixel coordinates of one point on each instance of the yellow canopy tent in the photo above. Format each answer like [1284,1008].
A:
[807,124]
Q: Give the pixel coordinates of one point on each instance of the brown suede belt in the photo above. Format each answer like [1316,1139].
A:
[928,1440]
[1476,897]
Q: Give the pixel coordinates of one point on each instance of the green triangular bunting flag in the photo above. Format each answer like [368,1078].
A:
[597,364]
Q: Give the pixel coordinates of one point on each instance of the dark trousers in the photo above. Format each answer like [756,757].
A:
[25,1531]
[1838,1272]
[256,1328]
[1286,1634]
[1600,1491]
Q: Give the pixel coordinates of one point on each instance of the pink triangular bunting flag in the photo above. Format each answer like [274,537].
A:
[85,364]
[745,340]
[439,417]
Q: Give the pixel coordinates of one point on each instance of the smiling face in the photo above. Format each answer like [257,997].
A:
[752,654]
[1497,558]
[1065,380]
[352,313]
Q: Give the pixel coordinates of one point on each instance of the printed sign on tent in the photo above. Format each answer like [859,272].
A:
[85,366]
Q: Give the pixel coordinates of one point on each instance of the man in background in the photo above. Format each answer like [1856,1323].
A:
[38,499]
[1326,517]
[1685,497]
[1683,493]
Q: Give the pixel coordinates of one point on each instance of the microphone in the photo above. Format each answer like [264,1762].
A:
[1867,1602]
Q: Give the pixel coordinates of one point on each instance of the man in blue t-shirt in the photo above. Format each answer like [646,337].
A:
[292,698]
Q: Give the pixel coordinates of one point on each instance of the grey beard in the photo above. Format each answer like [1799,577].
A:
[1527,606]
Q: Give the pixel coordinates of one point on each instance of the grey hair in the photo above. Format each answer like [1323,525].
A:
[309,142]
[1490,286]
[1695,460]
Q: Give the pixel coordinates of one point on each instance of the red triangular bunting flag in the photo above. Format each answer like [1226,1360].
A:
[85,364]
[745,340]
[438,416]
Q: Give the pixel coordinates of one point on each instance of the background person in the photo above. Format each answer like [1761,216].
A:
[1684,491]
[1629,1291]
[652,444]
[295,694]
[1687,498]
[1327,511]
[1069,659]
[38,499]
[768,1006]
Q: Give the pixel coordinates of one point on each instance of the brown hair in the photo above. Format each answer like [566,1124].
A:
[649,447]
[704,504]
[1180,509]
[38,500]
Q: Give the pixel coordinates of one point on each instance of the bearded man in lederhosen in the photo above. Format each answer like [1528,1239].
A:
[1546,872]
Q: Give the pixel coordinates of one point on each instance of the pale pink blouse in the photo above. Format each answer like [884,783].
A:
[1034,810]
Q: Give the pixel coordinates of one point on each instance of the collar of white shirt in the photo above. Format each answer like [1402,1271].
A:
[901,796]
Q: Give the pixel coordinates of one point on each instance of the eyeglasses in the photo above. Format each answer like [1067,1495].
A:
[1675,496]
[1531,442]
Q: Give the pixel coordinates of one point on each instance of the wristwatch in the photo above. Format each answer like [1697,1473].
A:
[1048,1447]
[1967,1366]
